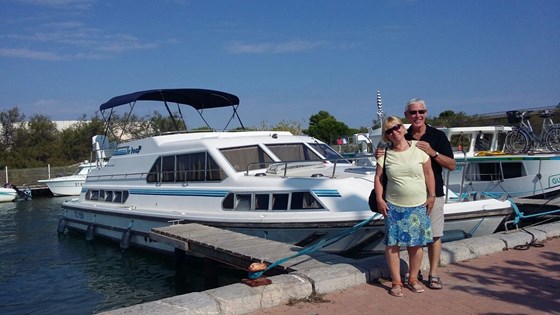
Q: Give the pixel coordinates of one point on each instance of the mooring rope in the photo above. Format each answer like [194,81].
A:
[322,243]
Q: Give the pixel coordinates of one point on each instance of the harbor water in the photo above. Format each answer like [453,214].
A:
[42,272]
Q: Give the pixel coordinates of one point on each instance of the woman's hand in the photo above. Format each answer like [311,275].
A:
[430,204]
[382,207]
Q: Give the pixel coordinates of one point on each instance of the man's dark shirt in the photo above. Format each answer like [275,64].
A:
[438,141]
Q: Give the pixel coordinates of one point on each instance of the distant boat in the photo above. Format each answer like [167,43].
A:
[72,185]
[11,193]
[484,166]
[7,194]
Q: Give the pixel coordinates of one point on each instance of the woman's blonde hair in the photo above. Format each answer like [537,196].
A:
[390,121]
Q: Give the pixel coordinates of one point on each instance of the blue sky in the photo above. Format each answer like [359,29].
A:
[286,60]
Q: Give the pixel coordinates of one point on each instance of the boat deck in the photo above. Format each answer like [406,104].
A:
[240,250]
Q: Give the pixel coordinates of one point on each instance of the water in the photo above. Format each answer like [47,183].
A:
[45,273]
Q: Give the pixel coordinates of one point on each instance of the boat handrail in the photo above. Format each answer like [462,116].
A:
[295,164]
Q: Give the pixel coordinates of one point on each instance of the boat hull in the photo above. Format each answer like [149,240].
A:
[64,186]
[113,224]
[7,194]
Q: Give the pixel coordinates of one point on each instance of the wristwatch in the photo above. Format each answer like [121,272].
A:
[435,155]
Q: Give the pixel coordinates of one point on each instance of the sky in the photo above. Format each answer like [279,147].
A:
[286,60]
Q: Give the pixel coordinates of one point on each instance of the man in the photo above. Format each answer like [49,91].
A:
[434,142]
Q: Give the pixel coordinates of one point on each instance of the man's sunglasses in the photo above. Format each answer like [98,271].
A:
[394,128]
[414,112]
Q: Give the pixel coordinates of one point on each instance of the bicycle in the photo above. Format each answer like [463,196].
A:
[523,138]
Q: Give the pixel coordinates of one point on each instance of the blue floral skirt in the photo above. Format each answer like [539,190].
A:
[407,226]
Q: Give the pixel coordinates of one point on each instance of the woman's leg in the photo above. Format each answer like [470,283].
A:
[415,254]
[394,262]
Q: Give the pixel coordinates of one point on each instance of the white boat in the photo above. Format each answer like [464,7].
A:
[483,166]
[7,194]
[12,193]
[70,185]
[270,184]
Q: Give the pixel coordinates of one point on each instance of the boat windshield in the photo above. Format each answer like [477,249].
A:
[328,152]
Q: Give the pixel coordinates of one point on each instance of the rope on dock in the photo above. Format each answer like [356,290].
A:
[322,243]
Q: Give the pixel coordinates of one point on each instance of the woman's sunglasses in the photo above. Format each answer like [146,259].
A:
[394,128]
[414,112]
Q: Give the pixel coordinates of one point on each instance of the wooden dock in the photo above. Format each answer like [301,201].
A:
[240,250]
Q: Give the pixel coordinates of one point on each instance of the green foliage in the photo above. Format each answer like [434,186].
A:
[326,128]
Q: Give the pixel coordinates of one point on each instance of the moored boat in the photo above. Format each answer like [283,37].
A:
[271,184]
[71,185]
[484,166]
[7,194]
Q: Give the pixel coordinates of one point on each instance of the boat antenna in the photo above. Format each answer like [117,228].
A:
[380,115]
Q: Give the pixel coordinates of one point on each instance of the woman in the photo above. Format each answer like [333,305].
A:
[409,198]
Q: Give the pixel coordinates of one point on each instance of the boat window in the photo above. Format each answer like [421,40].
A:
[228,202]
[198,166]
[513,170]
[328,152]
[118,196]
[246,158]
[94,195]
[109,196]
[494,171]
[293,152]
[460,142]
[482,142]
[243,202]
[261,201]
[155,171]
[304,200]
[280,201]
[190,167]
[168,169]
[214,171]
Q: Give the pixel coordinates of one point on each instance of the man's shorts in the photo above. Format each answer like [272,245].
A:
[436,217]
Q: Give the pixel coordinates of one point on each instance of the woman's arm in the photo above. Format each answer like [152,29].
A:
[430,185]
[377,184]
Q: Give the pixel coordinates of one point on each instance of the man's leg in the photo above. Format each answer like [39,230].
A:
[434,249]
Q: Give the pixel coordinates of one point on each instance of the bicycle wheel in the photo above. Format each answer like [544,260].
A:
[552,138]
[517,141]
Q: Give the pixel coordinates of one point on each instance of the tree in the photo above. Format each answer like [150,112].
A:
[326,128]
[75,144]
[9,120]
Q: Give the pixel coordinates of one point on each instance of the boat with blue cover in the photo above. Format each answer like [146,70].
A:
[271,184]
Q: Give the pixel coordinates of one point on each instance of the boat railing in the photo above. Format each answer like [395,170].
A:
[283,167]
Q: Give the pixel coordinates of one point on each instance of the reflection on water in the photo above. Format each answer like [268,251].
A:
[44,273]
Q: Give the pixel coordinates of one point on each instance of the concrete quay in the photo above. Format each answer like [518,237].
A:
[354,288]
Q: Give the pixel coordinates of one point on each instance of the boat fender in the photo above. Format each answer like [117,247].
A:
[61,226]
[126,238]
[454,235]
[90,232]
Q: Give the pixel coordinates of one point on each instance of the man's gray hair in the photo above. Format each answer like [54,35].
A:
[414,101]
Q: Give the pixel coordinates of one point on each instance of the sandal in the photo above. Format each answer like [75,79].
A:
[396,289]
[415,286]
[434,282]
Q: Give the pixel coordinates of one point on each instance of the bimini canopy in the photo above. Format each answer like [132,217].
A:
[197,98]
